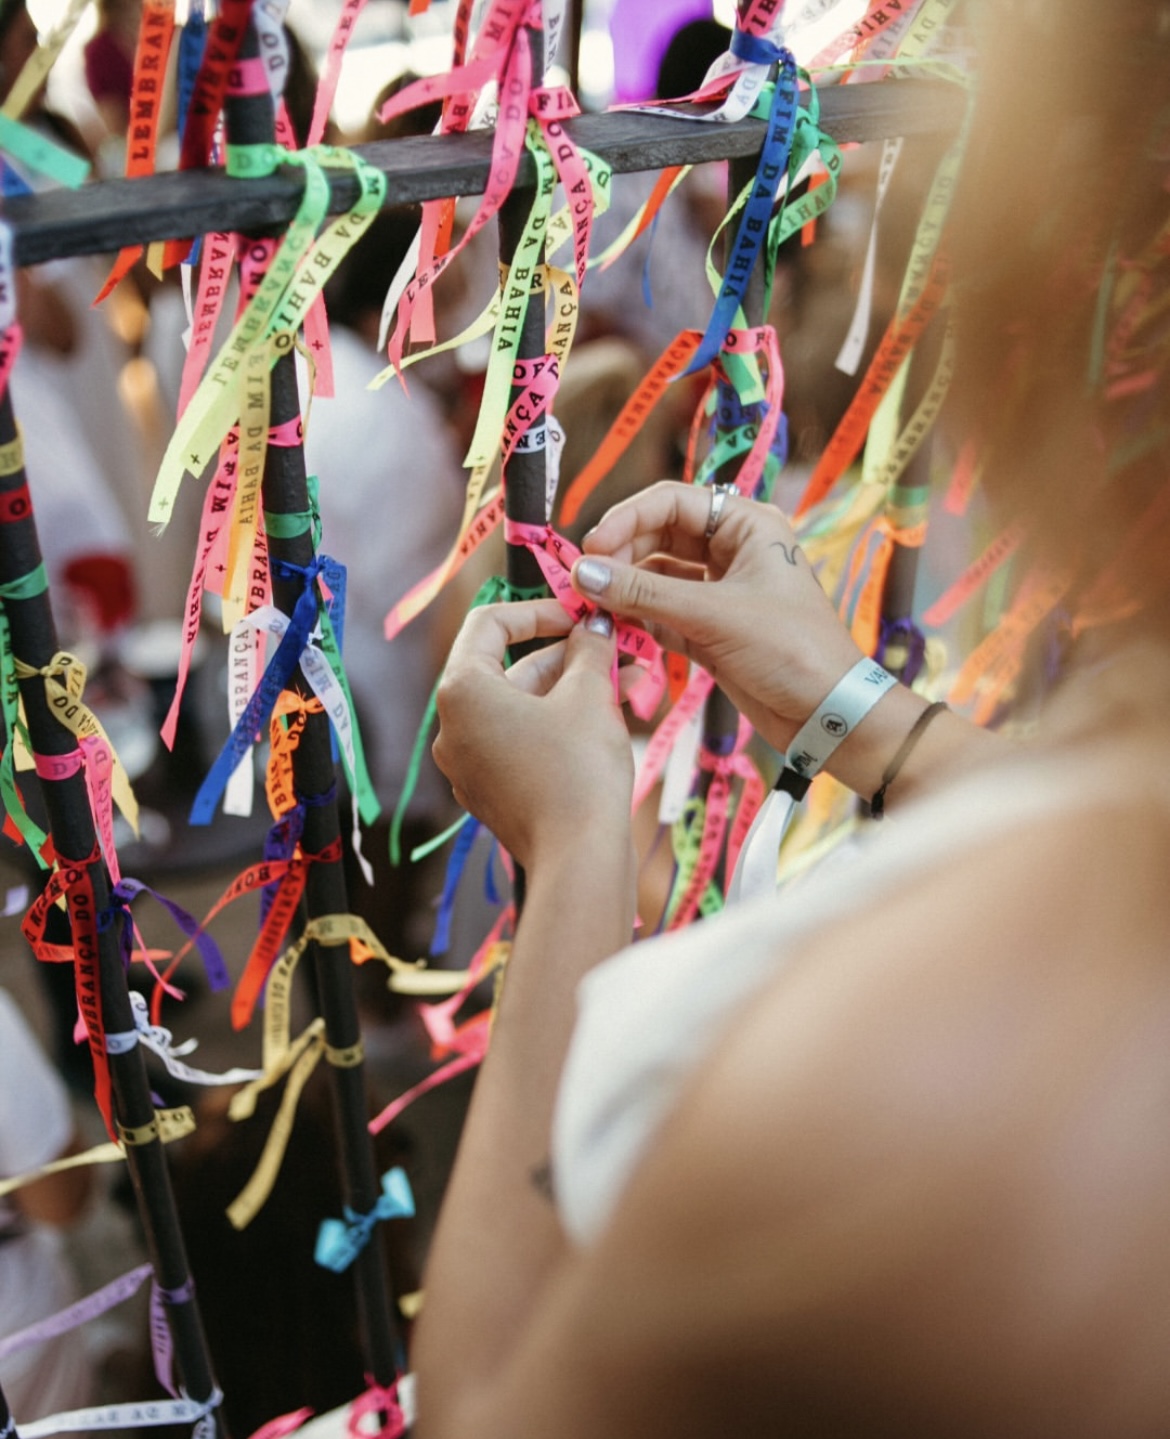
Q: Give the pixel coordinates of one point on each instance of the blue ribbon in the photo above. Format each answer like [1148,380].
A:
[756,49]
[340,1241]
[779,446]
[647,292]
[127,890]
[280,843]
[753,224]
[11,183]
[730,411]
[456,863]
[275,678]
[490,890]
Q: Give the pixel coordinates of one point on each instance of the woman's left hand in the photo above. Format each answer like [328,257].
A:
[538,752]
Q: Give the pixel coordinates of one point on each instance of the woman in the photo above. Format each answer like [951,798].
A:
[887,1155]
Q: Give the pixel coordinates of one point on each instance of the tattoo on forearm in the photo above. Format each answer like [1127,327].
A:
[542,1180]
[789,552]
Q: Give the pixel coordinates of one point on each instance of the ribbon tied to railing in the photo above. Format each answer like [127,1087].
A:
[771,173]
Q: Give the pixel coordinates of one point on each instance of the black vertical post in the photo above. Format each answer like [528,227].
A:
[250,120]
[8,1428]
[71,826]
[720,716]
[576,27]
[524,472]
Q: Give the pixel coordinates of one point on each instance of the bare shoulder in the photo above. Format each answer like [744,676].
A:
[922,1185]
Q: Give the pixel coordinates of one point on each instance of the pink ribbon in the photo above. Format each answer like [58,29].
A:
[499,35]
[664,738]
[283,1424]
[556,556]
[723,770]
[376,1400]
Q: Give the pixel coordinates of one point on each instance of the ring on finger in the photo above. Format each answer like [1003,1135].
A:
[719,494]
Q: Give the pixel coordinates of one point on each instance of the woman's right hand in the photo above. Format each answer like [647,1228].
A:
[538,751]
[745,604]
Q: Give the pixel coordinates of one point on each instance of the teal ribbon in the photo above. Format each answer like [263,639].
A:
[292,524]
[26,587]
[41,154]
[340,1241]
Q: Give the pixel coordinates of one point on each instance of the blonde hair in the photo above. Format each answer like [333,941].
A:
[1062,259]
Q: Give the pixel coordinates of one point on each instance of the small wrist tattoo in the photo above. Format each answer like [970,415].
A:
[542,1181]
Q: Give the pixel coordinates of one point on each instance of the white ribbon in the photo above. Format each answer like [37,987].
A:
[130,1416]
[160,1041]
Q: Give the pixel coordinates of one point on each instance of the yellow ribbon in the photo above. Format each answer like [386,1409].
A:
[65,701]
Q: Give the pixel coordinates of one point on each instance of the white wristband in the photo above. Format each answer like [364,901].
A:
[837,716]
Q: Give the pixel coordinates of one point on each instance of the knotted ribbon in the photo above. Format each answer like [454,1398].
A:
[340,1241]
[556,556]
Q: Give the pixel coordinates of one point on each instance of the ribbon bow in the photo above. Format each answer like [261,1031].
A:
[64,678]
[388,1406]
[340,1241]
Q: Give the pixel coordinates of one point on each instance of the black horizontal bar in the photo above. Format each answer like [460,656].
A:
[103,216]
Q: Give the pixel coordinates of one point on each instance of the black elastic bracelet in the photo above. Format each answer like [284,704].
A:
[877,805]
[790,782]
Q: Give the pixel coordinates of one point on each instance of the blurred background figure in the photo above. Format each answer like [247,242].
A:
[36,1278]
[79,446]
[109,61]
[642,37]
[659,286]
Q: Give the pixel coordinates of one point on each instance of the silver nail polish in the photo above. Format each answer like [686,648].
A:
[593,576]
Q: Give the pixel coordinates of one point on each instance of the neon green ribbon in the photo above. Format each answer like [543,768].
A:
[522,279]
[358,776]
[292,281]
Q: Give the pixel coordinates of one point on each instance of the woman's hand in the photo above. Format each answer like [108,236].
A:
[538,752]
[744,604]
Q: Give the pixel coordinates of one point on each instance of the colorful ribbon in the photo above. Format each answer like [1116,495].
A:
[340,1241]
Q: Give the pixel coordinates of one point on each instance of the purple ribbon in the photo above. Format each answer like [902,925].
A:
[116,1292]
[903,634]
[127,890]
